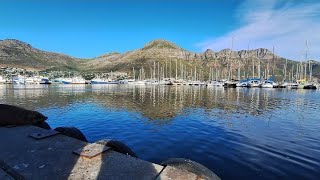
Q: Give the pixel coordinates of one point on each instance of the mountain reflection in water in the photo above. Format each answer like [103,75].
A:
[238,133]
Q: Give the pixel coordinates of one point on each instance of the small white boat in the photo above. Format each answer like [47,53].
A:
[129,81]
[139,82]
[177,82]
[104,81]
[254,83]
[215,84]
[292,85]
[18,80]
[74,80]
[268,84]
[196,83]
[32,80]
[2,80]
[242,84]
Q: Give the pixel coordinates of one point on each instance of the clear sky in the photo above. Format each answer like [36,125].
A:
[89,28]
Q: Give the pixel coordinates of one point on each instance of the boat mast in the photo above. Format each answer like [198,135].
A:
[166,68]
[252,67]
[309,62]
[274,62]
[154,70]
[134,74]
[285,70]
[230,70]
[195,73]
[158,71]
[170,73]
[239,69]
[176,69]
[252,62]
[209,74]
[259,66]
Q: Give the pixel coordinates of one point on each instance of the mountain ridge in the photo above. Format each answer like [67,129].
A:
[16,53]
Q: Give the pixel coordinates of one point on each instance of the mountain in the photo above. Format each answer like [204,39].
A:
[162,52]
[20,54]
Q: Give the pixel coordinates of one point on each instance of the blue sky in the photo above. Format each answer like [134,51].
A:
[84,28]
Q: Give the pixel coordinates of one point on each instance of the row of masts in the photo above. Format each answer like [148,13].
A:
[161,71]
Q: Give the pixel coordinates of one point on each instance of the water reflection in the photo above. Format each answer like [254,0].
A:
[157,102]
[265,133]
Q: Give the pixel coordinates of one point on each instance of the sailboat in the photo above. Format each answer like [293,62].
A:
[230,83]
[309,84]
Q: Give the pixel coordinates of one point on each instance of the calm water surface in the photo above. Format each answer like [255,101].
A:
[237,133]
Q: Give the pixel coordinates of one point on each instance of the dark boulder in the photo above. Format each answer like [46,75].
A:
[13,115]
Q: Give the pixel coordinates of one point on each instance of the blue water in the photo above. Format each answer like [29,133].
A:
[237,133]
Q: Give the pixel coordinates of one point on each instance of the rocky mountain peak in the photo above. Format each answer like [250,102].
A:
[209,51]
[161,44]
[14,43]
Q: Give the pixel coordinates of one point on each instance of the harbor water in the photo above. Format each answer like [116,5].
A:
[237,133]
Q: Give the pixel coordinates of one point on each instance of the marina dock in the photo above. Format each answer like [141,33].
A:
[30,152]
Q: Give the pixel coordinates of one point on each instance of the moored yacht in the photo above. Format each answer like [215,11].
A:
[292,85]
[242,83]
[254,83]
[310,86]
[267,84]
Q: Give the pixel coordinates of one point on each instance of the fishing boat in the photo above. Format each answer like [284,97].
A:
[74,80]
